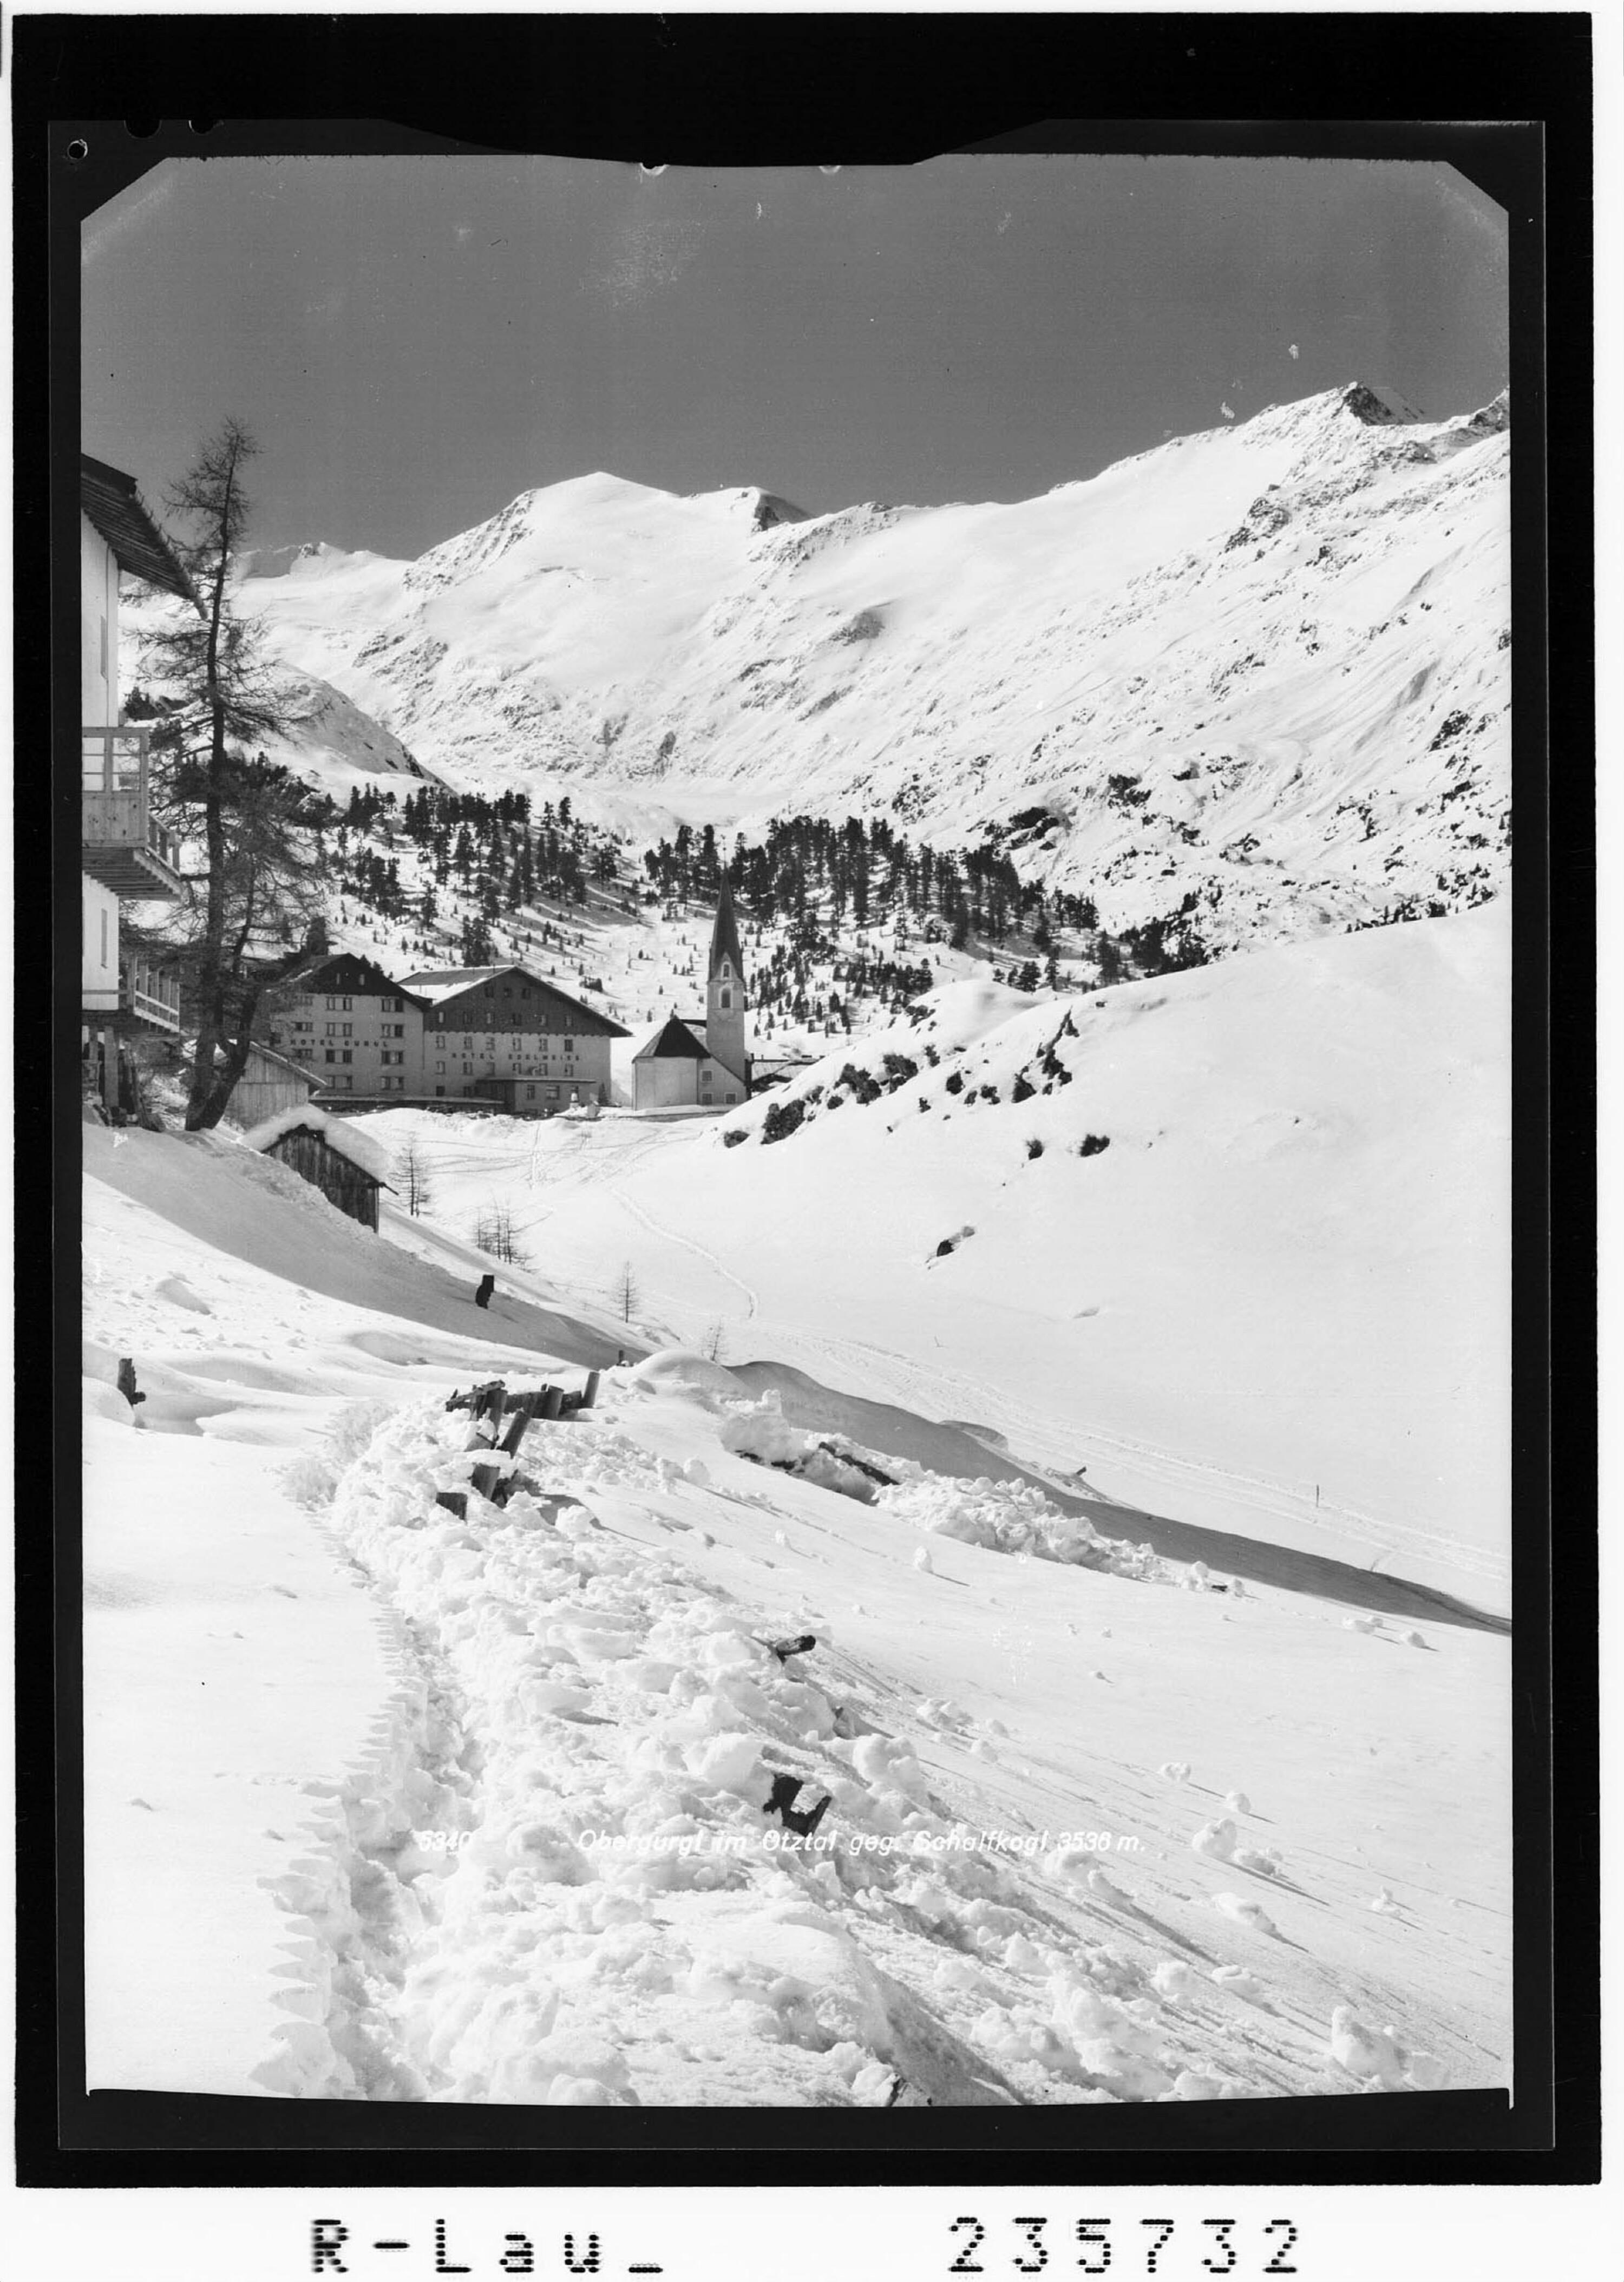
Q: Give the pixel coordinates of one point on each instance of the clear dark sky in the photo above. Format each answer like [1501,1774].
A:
[414,341]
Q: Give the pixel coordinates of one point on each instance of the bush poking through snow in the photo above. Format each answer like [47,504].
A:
[1092,1144]
[781,1119]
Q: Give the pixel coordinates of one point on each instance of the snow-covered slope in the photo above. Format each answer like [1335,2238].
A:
[384,1801]
[1234,1240]
[1266,667]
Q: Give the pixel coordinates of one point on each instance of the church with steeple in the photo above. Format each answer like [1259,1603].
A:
[702,1065]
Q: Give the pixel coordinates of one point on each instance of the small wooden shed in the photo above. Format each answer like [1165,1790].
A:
[345,1169]
[269,1082]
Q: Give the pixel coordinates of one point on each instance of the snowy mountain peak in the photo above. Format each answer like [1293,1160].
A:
[1379,408]
[1259,677]
[313,557]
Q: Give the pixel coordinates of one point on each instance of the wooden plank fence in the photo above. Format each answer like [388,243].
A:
[490,1405]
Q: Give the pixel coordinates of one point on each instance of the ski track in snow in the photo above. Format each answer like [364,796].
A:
[670,1236]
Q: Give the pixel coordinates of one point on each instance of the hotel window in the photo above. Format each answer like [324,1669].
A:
[440,1070]
[726,1000]
[331,1029]
[345,1055]
[345,1030]
[332,1055]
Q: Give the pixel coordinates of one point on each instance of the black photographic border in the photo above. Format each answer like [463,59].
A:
[884,88]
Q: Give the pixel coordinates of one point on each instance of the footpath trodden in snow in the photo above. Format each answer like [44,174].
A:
[484,1812]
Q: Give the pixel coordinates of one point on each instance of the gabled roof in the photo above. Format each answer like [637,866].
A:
[346,970]
[724,934]
[442,986]
[112,504]
[674,1043]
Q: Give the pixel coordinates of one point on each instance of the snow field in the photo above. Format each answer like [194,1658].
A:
[478,1687]
[612,1926]
[238,1675]
[1275,1304]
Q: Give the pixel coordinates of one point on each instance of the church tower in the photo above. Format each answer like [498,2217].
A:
[725,998]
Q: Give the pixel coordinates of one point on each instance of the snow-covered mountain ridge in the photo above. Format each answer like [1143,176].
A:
[1266,667]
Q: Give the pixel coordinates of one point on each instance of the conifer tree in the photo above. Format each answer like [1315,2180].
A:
[245,914]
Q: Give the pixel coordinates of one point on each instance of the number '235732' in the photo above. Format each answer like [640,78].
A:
[1095,2247]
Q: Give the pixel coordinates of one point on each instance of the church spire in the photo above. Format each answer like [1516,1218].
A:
[725,938]
[725,994]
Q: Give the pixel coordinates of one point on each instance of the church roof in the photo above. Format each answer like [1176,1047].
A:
[724,934]
[674,1043]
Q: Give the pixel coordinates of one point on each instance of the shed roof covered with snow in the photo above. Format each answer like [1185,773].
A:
[346,1168]
[337,1132]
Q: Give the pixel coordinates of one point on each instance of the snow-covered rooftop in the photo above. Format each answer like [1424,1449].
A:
[337,1133]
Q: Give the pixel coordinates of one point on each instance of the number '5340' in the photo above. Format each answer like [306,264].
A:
[1090,2247]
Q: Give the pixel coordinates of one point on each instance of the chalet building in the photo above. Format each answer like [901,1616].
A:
[502,1032]
[352,1027]
[129,1003]
[705,1065]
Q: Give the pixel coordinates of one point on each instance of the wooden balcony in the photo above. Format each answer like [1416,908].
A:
[122,843]
[149,996]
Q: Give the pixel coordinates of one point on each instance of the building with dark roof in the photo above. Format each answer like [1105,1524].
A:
[506,1033]
[352,1027]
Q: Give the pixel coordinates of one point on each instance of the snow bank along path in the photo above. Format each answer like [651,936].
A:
[597,1909]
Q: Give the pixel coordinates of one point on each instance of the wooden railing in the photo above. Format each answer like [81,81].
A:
[152,992]
[114,792]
